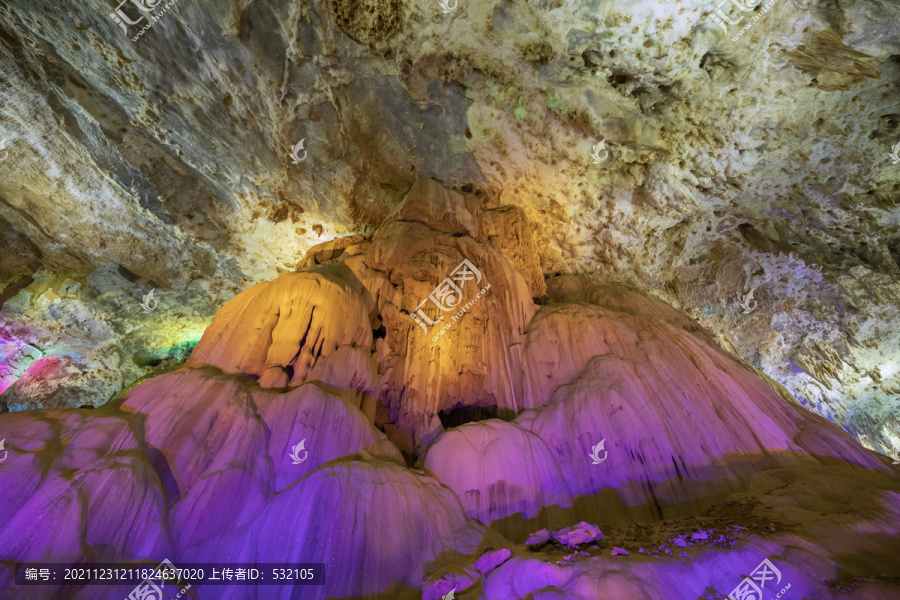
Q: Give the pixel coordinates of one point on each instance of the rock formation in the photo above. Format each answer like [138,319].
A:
[400,409]
[750,157]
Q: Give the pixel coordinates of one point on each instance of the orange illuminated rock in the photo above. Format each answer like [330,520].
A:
[452,310]
[299,327]
[326,251]
[440,209]
[507,230]
[454,318]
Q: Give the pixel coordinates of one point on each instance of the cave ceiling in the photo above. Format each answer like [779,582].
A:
[646,146]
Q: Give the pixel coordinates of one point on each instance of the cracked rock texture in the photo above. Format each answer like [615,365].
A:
[756,159]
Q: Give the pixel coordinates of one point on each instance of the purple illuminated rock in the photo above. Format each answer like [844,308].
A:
[210,443]
[539,537]
[367,516]
[497,469]
[226,438]
[582,533]
[377,523]
[330,426]
[449,582]
[56,458]
[616,551]
[515,576]
[624,371]
[491,560]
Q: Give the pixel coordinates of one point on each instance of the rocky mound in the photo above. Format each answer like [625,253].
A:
[401,410]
